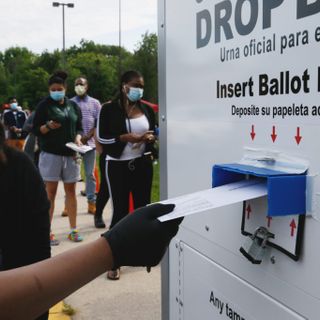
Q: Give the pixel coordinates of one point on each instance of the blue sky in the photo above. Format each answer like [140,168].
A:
[37,25]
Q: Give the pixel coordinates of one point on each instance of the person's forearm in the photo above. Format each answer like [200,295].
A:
[124,137]
[31,290]
[130,137]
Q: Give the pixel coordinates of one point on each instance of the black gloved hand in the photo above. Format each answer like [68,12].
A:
[140,239]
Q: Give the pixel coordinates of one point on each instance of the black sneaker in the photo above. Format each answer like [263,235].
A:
[98,222]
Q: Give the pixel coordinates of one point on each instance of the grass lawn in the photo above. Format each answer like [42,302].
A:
[155,192]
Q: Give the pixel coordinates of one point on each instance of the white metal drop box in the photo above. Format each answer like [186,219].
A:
[240,79]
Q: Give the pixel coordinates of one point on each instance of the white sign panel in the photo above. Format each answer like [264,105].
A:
[270,46]
[241,74]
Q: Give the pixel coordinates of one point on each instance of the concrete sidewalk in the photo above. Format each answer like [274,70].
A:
[135,296]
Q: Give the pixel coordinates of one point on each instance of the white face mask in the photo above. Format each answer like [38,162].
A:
[80,90]
[14,106]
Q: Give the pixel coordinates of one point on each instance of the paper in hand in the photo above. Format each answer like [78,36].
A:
[80,149]
[214,198]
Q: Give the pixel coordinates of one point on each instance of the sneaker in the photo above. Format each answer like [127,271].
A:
[98,222]
[74,236]
[64,213]
[91,207]
[53,240]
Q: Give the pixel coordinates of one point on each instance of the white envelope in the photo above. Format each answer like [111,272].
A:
[80,149]
[225,195]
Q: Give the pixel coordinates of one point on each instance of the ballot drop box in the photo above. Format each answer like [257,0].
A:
[239,94]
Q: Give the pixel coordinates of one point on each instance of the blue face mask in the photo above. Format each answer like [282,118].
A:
[57,95]
[14,105]
[135,94]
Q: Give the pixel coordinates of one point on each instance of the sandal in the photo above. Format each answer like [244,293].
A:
[113,274]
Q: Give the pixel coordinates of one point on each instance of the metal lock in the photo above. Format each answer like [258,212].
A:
[254,249]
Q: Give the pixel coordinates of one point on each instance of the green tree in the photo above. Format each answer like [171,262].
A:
[145,60]
[50,61]
[92,47]
[100,71]
[24,74]
[17,63]
[3,84]
[121,58]
[35,84]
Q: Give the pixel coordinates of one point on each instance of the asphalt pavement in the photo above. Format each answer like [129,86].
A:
[135,296]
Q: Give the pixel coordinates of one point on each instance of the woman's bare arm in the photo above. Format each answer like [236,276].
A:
[27,292]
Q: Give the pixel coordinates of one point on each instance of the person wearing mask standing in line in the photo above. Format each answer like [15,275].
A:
[14,121]
[126,131]
[90,109]
[58,121]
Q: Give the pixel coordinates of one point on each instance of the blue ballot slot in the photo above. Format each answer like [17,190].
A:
[286,192]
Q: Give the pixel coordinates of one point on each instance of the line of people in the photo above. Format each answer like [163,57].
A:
[124,138]
[32,280]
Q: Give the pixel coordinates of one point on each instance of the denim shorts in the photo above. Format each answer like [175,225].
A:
[55,168]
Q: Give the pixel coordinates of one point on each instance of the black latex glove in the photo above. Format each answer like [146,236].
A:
[140,239]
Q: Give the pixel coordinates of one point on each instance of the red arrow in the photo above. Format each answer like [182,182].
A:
[274,135]
[269,221]
[298,137]
[248,211]
[293,227]
[252,134]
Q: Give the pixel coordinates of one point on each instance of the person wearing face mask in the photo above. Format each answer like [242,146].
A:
[126,131]
[57,121]
[90,109]
[14,121]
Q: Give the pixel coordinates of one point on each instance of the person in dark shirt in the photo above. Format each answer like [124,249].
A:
[140,239]
[24,213]
[14,121]
[57,121]
[126,131]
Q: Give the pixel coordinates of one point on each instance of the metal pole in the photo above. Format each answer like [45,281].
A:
[119,66]
[63,37]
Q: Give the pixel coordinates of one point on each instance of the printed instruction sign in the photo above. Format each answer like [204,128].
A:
[266,65]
